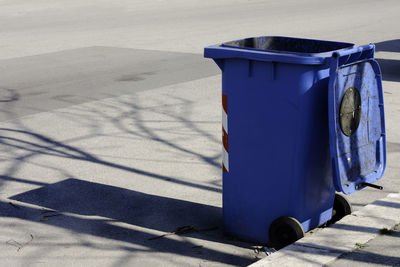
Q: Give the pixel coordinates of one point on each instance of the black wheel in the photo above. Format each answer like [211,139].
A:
[341,208]
[284,231]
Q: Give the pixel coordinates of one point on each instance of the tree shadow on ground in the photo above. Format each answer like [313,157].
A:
[117,205]
[37,144]
[388,46]
[390,67]
[357,256]
[168,121]
[38,83]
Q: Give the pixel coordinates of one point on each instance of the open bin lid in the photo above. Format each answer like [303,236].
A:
[356,125]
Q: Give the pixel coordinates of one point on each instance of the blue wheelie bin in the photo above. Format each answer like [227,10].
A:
[301,119]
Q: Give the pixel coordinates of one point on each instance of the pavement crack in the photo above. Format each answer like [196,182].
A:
[184,230]
[19,246]
[329,250]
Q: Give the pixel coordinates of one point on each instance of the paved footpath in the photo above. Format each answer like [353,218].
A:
[383,250]
[368,237]
[110,129]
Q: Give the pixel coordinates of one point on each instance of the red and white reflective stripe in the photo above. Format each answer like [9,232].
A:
[225,155]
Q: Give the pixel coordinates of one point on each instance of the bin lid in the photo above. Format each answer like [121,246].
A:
[356,125]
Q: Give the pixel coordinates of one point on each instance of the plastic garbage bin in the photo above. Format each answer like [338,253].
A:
[301,119]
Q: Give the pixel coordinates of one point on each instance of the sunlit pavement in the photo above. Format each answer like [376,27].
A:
[111,122]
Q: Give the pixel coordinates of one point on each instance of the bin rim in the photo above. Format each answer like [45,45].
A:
[224,51]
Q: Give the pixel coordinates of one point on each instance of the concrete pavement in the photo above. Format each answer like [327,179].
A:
[110,125]
[118,173]
[367,237]
[90,184]
[35,84]
[382,250]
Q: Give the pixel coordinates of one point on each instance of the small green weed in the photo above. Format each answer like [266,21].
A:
[359,245]
[385,231]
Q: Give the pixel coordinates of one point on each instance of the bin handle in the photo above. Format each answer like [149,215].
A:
[346,56]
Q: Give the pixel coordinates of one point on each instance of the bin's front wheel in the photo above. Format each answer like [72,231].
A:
[341,208]
[284,231]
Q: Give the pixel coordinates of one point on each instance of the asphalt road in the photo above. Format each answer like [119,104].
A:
[56,54]
[117,93]
[33,84]
[78,53]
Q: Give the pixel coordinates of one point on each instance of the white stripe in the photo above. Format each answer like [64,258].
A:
[225,159]
[225,120]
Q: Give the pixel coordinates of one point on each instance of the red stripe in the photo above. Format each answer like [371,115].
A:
[224,133]
[225,103]
[225,139]
[223,168]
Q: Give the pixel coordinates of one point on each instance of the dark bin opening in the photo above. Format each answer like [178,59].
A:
[288,44]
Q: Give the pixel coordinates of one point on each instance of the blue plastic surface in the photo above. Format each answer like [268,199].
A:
[278,139]
[289,45]
[360,157]
[270,49]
